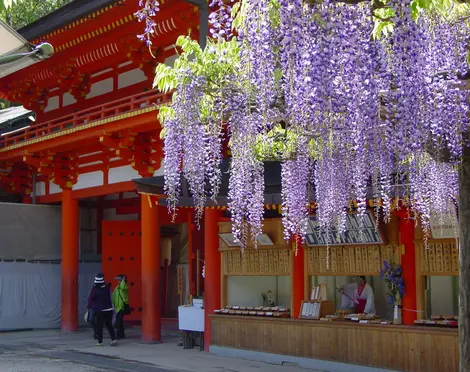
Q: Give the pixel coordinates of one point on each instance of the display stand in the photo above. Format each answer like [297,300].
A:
[190,321]
[316,309]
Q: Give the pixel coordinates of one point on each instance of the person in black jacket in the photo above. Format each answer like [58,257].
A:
[100,302]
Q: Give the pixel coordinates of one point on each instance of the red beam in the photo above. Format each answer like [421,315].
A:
[90,192]
[140,123]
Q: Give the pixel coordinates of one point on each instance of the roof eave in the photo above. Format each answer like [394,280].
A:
[63,16]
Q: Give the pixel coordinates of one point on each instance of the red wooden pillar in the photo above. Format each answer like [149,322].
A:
[190,252]
[212,280]
[70,258]
[151,275]
[406,228]
[99,224]
[298,277]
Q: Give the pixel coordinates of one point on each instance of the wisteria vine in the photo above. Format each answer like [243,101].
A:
[350,116]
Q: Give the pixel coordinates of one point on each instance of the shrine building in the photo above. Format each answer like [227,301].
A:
[87,139]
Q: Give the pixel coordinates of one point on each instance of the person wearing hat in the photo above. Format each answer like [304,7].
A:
[100,302]
[121,304]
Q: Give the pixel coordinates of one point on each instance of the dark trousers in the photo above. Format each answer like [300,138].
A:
[120,325]
[104,318]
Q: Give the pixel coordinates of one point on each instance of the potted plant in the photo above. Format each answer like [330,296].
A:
[392,275]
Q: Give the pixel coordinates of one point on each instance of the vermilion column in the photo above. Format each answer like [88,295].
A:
[69,262]
[151,275]
[298,278]
[408,263]
[190,252]
[212,280]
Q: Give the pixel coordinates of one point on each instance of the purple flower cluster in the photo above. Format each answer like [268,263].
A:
[379,119]
[392,275]
[146,13]
[191,148]
[221,20]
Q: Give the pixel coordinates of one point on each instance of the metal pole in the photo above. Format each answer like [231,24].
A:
[203,20]
[33,194]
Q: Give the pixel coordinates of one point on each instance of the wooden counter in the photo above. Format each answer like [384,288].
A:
[402,348]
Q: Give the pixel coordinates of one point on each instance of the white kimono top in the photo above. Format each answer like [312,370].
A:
[351,290]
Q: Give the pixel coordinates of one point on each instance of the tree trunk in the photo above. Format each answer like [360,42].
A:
[464,261]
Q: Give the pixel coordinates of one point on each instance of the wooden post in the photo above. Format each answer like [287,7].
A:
[408,263]
[69,262]
[298,277]
[212,280]
[151,274]
[190,252]
[464,261]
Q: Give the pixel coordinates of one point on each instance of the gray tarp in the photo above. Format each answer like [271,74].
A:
[30,294]
[30,231]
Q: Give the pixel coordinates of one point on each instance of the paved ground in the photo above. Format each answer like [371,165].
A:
[52,351]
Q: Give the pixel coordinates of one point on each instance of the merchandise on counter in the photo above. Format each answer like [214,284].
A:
[449,321]
[276,311]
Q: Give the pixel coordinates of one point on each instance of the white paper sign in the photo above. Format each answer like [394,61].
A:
[443,226]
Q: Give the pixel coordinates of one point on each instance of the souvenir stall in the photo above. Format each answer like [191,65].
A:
[319,332]
[437,274]
[256,281]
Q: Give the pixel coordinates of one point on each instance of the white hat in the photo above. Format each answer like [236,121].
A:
[99,279]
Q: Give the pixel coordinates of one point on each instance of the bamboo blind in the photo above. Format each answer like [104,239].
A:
[256,262]
[349,260]
[439,258]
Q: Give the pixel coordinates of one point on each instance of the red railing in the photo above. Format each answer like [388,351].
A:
[107,110]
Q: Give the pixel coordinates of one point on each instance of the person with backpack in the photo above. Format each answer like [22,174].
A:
[100,302]
[121,304]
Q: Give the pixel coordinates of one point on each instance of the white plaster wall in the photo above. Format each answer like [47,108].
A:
[442,300]
[160,171]
[101,87]
[52,104]
[131,77]
[121,174]
[40,188]
[68,99]
[246,290]
[382,307]
[89,180]
[53,188]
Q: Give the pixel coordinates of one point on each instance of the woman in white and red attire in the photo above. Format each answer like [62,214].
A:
[363,297]
[359,296]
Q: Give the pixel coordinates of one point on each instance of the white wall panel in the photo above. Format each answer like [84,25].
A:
[122,174]
[101,87]
[91,179]
[68,99]
[131,77]
[53,188]
[52,104]
[40,189]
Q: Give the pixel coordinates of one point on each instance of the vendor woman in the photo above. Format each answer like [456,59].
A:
[359,296]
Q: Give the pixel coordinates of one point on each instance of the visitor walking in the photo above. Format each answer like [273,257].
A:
[99,301]
[121,304]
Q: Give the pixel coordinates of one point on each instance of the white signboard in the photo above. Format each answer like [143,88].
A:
[443,226]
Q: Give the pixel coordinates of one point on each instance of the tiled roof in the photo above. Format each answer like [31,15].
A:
[9,114]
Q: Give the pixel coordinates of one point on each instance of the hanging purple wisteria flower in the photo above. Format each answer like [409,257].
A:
[146,13]
[357,117]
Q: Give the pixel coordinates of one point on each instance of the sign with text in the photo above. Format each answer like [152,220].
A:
[356,232]
[443,226]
